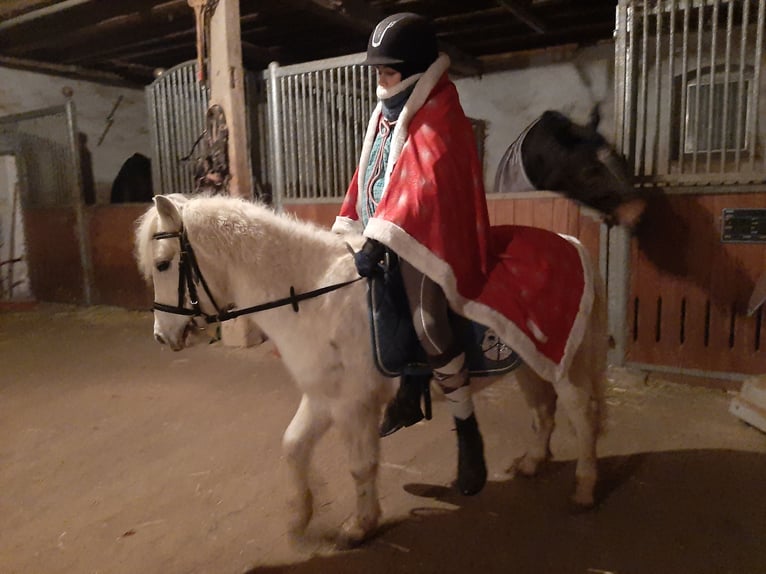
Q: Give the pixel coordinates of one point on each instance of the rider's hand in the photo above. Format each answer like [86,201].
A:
[368,257]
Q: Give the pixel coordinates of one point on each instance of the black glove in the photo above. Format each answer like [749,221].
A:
[368,257]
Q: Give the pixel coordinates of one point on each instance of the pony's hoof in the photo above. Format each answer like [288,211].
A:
[583,498]
[526,465]
[352,534]
[582,502]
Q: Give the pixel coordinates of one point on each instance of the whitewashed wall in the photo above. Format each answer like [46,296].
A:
[23,91]
[509,101]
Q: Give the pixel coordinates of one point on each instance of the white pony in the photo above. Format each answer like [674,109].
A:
[240,253]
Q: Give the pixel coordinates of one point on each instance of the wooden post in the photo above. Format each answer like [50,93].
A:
[227,89]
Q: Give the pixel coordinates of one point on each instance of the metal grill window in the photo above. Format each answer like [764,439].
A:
[689,83]
[717,131]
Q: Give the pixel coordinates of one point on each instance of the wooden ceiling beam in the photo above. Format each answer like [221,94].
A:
[355,14]
[117,30]
[74,72]
[522,13]
[21,31]
[132,49]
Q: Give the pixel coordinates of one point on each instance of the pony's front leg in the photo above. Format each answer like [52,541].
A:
[359,428]
[541,400]
[308,425]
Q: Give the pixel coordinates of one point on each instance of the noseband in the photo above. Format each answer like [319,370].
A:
[189,276]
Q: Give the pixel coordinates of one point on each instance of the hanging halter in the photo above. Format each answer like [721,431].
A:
[189,276]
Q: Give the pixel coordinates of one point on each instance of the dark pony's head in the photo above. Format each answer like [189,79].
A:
[576,160]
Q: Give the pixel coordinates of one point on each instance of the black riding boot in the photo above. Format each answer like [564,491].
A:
[471,468]
[404,410]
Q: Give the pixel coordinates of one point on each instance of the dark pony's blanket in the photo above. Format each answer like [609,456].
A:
[396,347]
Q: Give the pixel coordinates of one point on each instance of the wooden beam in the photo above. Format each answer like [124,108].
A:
[227,89]
[129,50]
[113,31]
[42,24]
[74,72]
[355,14]
[521,12]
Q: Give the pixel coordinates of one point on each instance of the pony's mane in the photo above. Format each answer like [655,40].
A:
[222,222]
[146,226]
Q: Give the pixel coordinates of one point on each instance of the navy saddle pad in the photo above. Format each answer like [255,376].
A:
[396,347]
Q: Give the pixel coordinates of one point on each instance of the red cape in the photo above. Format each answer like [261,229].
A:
[529,285]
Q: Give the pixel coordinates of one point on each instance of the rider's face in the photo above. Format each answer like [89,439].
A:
[388,77]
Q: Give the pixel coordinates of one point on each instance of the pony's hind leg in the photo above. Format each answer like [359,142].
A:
[359,428]
[541,399]
[308,425]
[576,395]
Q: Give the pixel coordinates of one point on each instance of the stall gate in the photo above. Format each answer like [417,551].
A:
[46,146]
[318,114]
[689,84]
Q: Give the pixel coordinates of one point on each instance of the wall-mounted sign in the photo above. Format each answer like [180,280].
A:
[743,226]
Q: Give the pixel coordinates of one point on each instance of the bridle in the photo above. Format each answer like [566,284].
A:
[190,276]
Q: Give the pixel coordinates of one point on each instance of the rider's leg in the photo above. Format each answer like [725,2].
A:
[432,324]
[455,383]
[430,318]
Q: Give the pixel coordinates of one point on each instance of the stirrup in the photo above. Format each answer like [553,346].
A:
[404,410]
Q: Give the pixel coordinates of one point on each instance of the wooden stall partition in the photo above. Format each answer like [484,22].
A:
[548,211]
[689,290]
[543,209]
[116,280]
[53,250]
[320,213]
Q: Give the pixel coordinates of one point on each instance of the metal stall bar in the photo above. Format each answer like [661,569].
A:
[325,148]
[277,175]
[698,85]
[711,91]
[742,92]
[77,201]
[644,88]
[757,85]
[726,80]
[684,79]
[620,74]
[657,88]
[289,139]
[670,77]
[303,156]
[334,130]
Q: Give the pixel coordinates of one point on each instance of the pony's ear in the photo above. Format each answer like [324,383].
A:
[170,217]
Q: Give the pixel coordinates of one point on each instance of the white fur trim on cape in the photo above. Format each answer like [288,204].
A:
[440,272]
[345,225]
[385,93]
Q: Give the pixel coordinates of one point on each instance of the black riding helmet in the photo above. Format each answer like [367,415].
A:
[405,42]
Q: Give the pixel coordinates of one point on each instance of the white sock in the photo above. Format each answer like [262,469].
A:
[460,402]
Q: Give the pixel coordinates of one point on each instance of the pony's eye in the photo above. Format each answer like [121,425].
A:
[163,265]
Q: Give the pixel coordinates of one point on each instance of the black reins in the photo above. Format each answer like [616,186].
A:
[189,276]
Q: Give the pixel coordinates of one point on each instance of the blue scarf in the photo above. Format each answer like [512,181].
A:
[393,106]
